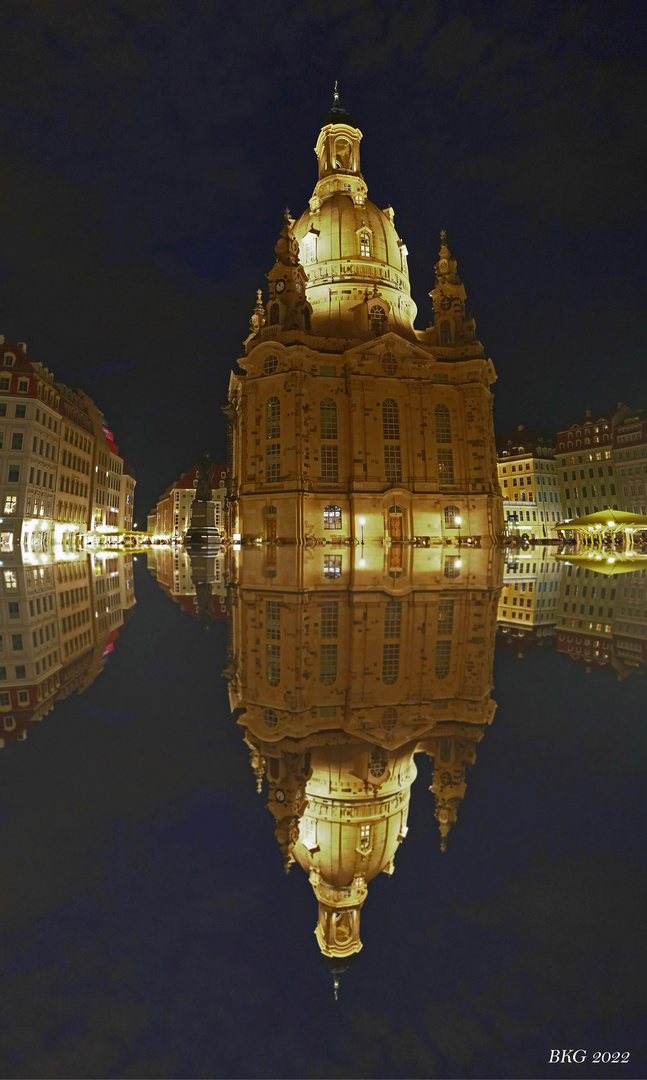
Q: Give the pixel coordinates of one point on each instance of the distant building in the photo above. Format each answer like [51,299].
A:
[528,479]
[173,512]
[586,464]
[530,596]
[630,461]
[56,460]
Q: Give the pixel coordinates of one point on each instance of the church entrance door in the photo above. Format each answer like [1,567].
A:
[395,522]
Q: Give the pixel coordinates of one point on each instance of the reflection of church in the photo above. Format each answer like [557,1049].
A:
[346,419]
[342,680]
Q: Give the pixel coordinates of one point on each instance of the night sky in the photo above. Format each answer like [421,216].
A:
[148,150]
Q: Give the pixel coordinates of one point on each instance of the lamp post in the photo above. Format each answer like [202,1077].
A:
[459,521]
[362,523]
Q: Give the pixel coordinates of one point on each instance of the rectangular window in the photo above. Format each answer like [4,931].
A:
[443,657]
[445,466]
[273,620]
[332,517]
[21,671]
[329,619]
[445,618]
[23,385]
[392,464]
[392,619]
[273,463]
[390,663]
[13,475]
[17,440]
[10,503]
[16,642]
[21,412]
[273,664]
[329,464]
[332,566]
[5,383]
[328,663]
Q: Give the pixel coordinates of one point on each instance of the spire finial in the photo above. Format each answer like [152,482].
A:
[336,981]
[336,93]
[443,236]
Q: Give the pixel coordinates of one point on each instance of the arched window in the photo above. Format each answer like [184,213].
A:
[273,419]
[389,719]
[451,513]
[270,717]
[310,248]
[273,664]
[452,566]
[365,244]
[332,517]
[390,419]
[274,314]
[342,154]
[377,320]
[328,419]
[445,332]
[443,425]
[389,363]
[377,762]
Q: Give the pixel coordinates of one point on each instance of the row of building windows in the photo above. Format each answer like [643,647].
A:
[328,420]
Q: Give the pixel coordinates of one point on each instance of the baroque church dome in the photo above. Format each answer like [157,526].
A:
[349,248]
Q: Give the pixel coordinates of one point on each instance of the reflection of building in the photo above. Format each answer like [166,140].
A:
[602,620]
[528,478]
[59,620]
[195,582]
[343,678]
[347,419]
[59,471]
[173,514]
[530,595]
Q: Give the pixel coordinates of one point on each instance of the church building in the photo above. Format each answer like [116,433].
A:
[346,418]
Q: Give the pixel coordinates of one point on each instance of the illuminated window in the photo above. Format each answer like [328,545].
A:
[328,419]
[443,426]
[365,246]
[10,503]
[445,466]
[451,569]
[332,517]
[332,566]
[310,248]
[365,836]
[328,663]
[451,513]
[390,662]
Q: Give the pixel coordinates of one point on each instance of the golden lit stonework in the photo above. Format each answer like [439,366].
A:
[346,420]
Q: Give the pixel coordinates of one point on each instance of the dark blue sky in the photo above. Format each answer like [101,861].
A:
[147,152]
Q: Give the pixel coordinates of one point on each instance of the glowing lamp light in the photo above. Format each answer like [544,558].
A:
[362,521]
[458,563]
[458,520]
[362,562]
[237,538]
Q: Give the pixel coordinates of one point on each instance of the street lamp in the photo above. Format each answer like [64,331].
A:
[458,521]
[362,523]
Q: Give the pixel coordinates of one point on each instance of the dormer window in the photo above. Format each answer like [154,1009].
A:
[365,244]
[9,360]
[377,320]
